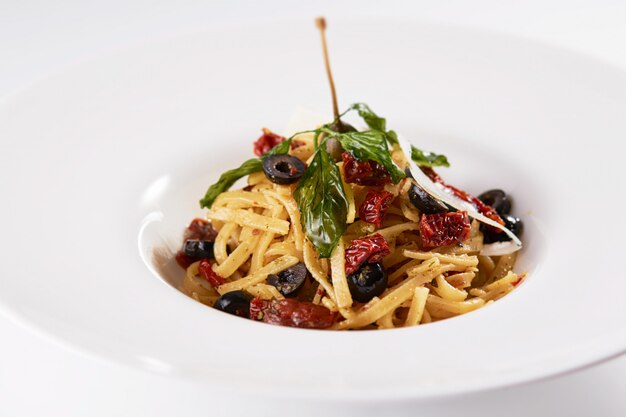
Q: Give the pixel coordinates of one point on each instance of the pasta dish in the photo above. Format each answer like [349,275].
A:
[344,228]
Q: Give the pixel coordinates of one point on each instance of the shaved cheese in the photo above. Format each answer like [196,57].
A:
[500,248]
[437,191]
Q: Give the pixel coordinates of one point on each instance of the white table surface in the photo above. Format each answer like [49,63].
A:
[39,378]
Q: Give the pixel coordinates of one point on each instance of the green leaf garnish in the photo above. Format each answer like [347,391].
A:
[368,145]
[428,159]
[320,194]
[322,203]
[228,178]
[374,121]
[281,148]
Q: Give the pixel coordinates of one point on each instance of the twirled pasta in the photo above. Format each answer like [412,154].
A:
[259,234]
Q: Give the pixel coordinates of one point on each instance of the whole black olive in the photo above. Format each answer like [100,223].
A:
[283,169]
[369,281]
[234,302]
[514,224]
[290,281]
[424,202]
[198,249]
[498,200]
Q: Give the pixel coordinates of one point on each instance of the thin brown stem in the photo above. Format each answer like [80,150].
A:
[320,22]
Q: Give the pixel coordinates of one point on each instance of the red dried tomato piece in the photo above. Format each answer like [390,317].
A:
[295,144]
[482,208]
[183,260]
[375,206]
[257,308]
[442,229]
[370,249]
[292,313]
[364,172]
[266,142]
[198,229]
[207,272]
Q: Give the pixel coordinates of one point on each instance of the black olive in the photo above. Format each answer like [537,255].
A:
[369,281]
[234,302]
[198,249]
[424,202]
[283,169]
[514,224]
[290,281]
[498,200]
[408,173]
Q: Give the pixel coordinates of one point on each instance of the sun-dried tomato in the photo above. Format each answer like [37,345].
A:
[482,208]
[292,313]
[375,206]
[442,229]
[364,172]
[183,260]
[207,272]
[266,142]
[370,249]
[295,144]
[198,229]
[257,308]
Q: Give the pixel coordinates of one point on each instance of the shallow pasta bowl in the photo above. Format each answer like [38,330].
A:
[106,161]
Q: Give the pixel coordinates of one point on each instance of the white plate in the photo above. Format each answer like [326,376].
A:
[102,163]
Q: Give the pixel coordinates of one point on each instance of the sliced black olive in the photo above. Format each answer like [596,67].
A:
[290,281]
[198,249]
[514,224]
[498,200]
[367,282]
[283,169]
[424,202]
[234,302]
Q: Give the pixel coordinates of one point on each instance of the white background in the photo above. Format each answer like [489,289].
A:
[38,377]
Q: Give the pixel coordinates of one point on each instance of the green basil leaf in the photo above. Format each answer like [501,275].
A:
[369,145]
[428,159]
[281,148]
[230,177]
[322,203]
[392,137]
[375,122]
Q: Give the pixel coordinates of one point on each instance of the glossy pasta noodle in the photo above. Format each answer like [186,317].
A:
[260,233]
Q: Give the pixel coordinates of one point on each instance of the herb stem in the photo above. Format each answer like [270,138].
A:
[320,22]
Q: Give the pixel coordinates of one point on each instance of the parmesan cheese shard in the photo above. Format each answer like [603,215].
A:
[437,191]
